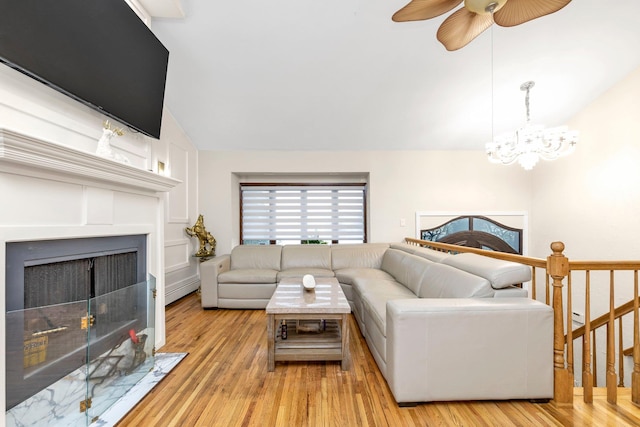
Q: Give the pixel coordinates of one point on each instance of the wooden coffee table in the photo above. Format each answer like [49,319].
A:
[317,323]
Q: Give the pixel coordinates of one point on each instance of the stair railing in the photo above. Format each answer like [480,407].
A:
[620,276]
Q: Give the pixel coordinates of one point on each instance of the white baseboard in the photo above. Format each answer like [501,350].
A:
[175,291]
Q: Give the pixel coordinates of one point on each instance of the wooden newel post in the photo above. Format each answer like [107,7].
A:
[558,269]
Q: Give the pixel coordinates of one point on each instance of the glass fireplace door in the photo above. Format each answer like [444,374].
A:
[121,344]
[68,363]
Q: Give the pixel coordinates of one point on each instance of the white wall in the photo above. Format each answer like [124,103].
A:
[400,184]
[39,111]
[181,162]
[591,200]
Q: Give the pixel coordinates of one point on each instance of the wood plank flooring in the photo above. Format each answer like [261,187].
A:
[224,382]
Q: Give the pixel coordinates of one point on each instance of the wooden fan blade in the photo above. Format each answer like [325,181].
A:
[516,12]
[418,10]
[459,29]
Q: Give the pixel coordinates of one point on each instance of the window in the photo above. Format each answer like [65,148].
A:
[287,213]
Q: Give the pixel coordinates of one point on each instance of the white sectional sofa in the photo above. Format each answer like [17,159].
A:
[440,326]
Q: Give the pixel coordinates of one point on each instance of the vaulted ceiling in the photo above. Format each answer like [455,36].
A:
[340,75]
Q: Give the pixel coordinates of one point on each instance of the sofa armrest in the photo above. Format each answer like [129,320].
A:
[209,271]
[469,349]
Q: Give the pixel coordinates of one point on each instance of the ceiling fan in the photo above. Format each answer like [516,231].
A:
[468,22]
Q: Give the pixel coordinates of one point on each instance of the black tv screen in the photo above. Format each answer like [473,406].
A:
[98,52]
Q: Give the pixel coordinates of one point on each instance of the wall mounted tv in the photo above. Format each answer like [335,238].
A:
[96,51]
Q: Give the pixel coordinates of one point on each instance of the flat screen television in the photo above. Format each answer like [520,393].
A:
[98,52]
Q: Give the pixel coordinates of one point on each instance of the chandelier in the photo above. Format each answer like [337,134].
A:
[531,142]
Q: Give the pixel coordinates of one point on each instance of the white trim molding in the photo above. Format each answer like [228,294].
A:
[185,247]
[24,155]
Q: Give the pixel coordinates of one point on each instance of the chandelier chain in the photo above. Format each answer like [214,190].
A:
[527,86]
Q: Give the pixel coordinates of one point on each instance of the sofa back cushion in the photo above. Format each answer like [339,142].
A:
[501,274]
[444,281]
[365,255]
[301,256]
[406,268]
[430,254]
[256,257]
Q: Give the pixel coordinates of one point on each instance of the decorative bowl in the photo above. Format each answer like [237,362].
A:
[308,282]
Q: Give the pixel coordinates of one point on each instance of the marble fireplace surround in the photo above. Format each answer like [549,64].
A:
[51,191]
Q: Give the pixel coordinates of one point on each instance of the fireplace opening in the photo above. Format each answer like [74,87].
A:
[69,301]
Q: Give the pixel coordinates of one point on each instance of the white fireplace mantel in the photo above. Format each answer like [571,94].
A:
[24,155]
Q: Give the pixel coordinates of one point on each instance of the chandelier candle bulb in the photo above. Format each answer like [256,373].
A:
[531,142]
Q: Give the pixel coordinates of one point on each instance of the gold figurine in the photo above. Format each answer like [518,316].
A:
[206,239]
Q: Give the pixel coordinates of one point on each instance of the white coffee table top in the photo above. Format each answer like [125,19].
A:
[291,298]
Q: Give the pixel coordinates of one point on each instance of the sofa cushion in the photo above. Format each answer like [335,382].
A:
[406,268]
[430,254]
[375,303]
[363,285]
[444,281]
[365,255]
[499,273]
[303,256]
[248,275]
[256,256]
[250,291]
[299,272]
[348,275]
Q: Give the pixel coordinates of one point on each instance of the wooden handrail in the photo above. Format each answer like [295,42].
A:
[620,311]
[604,265]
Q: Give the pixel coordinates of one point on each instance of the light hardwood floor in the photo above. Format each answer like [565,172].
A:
[224,382]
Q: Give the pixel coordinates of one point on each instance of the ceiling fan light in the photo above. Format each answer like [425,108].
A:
[484,7]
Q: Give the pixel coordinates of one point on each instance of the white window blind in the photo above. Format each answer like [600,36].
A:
[309,212]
